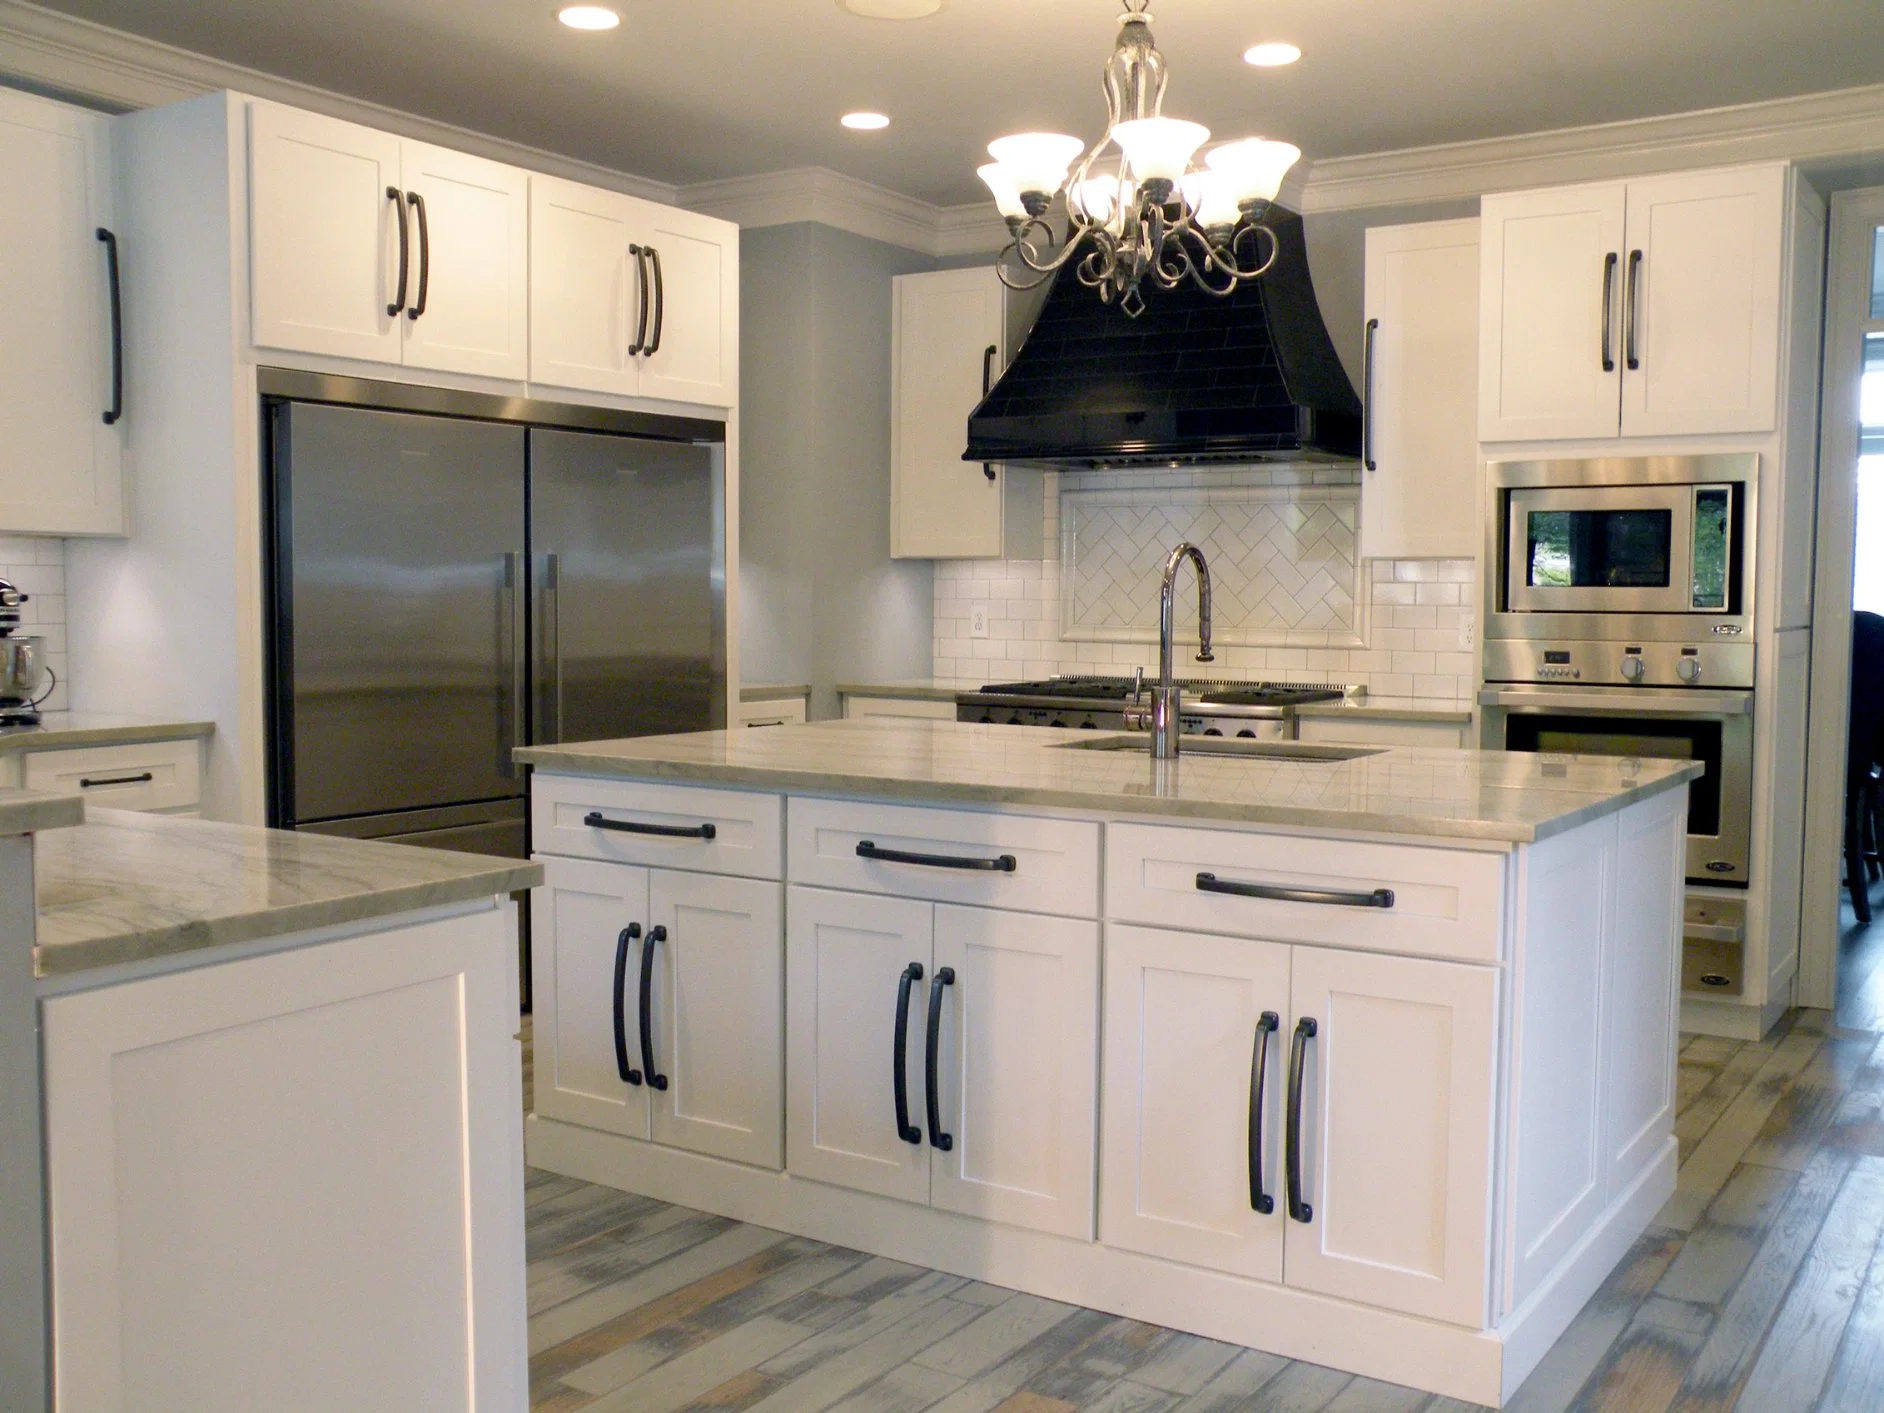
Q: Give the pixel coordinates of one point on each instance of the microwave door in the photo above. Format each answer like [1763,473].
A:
[1599,549]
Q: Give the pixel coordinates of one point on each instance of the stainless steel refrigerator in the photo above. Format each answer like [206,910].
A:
[452,575]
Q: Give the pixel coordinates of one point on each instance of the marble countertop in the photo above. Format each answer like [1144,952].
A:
[58,729]
[1434,709]
[1513,797]
[126,887]
[29,811]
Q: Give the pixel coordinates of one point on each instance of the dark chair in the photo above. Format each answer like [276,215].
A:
[1862,755]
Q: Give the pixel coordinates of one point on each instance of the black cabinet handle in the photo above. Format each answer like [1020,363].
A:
[1609,299]
[116,410]
[987,381]
[1337,897]
[425,255]
[656,1080]
[932,1051]
[595,820]
[1266,1025]
[641,300]
[1633,313]
[660,300]
[1304,1032]
[88,782]
[398,199]
[1004,863]
[1367,395]
[629,1074]
[899,1059]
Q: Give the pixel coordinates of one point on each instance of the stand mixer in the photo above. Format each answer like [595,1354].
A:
[21,664]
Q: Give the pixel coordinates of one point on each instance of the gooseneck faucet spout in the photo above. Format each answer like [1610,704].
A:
[1165,704]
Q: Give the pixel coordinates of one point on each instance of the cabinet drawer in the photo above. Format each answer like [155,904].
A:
[1446,903]
[743,827]
[1054,869]
[147,775]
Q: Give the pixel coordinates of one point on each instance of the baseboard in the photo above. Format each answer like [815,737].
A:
[1728,1019]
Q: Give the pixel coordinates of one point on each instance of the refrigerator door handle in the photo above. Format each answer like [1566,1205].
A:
[551,658]
[510,611]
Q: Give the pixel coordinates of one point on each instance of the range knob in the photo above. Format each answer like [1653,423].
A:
[1688,669]
[1633,668]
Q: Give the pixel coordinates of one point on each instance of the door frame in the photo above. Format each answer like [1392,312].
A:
[1855,216]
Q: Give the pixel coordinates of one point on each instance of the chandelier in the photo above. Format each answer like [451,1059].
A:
[1137,209]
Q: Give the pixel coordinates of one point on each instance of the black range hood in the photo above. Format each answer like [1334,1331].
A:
[1194,378]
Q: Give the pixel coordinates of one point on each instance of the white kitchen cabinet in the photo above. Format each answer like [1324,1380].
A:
[704,952]
[365,245]
[161,777]
[254,1165]
[1419,482]
[999,1017]
[948,331]
[1641,308]
[921,708]
[630,297]
[61,460]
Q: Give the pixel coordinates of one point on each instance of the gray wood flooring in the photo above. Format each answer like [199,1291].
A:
[1760,1288]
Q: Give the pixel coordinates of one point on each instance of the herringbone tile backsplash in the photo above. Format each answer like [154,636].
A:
[1292,601]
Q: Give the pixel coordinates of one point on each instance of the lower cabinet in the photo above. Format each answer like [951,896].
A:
[944,1055]
[1302,1114]
[658,1014]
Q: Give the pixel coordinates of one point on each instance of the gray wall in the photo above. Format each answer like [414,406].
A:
[821,600]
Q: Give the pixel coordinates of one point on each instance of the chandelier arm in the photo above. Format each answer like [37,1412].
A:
[1275,249]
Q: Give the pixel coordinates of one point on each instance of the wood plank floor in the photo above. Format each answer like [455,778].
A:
[1760,1288]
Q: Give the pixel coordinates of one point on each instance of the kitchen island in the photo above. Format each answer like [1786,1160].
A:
[1360,1056]
[281,1087]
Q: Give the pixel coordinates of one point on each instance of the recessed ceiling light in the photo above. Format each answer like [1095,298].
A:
[891,9]
[1271,56]
[865,122]
[591,17]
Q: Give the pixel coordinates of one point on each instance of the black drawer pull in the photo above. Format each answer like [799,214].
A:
[1004,864]
[629,1074]
[1378,898]
[1305,1030]
[656,1080]
[595,820]
[932,1078]
[87,782]
[1267,1025]
[899,1059]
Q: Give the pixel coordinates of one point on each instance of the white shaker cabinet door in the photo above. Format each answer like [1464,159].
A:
[846,957]
[1397,1084]
[1189,1158]
[1550,296]
[324,225]
[1419,482]
[717,987]
[294,1181]
[1014,1022]
[470,262]
[693,323]
[586,977]
[61,465]
[1701,291]
[586,289]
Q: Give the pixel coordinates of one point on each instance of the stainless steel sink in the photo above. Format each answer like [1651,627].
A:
[1232,746]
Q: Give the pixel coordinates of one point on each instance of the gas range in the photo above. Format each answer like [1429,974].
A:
[1263,710]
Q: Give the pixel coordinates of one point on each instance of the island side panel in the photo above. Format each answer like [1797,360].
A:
[23,1348]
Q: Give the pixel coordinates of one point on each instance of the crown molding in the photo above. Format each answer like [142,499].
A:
[118,71]
[848,203]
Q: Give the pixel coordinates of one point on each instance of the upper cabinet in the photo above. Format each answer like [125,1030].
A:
[1419,482]
[1637,309]
[948,332]
[61,403]
[631,297]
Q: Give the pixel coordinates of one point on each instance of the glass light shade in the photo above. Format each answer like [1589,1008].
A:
[1159,149]
[1036,161]
[1000,181]
[1253,168]
[1212,199]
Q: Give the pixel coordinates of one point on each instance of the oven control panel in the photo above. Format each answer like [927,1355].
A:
[1620,664]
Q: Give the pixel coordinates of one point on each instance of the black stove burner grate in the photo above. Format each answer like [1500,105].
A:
[1209,693]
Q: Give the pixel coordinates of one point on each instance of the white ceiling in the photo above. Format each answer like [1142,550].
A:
[695,90]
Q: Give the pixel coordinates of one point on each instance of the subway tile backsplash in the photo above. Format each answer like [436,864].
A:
[37,567]
[1415,622]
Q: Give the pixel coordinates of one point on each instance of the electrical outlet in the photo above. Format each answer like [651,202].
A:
[978,621]
[1468,633]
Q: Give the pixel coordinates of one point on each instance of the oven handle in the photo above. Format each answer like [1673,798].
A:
[1679,701]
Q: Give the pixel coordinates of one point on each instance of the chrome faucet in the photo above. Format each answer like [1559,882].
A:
[1165,703]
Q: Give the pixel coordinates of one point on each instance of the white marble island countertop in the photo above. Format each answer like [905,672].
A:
[126,887]
[1484,795]
[26,811]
